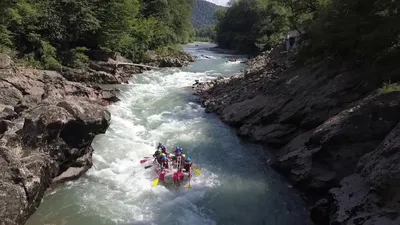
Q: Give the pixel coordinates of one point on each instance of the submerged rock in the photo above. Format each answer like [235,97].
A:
[47,127]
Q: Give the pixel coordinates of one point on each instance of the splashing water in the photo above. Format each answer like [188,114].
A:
[235,186]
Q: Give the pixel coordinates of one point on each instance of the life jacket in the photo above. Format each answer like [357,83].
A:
[179,161]
[176,177]
[187,166]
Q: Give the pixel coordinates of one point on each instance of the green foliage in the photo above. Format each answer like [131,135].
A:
[78,57]
[30,61]
[53,31]
[170,50]
[204,14]
[389,87]
[371,36]
[252,25]
[355,32]
[48,56]
[205,34]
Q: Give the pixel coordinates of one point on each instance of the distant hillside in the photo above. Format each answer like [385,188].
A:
[203,13]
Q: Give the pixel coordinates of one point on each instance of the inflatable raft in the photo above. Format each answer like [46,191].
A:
[171,175]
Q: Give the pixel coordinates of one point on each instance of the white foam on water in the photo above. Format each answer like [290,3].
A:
[123,188]
[156,107]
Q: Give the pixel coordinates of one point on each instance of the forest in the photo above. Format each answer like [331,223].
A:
[50,33]
[203,14]
[355,31]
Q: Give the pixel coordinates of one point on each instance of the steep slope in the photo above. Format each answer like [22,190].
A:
[203,13]
[47,125]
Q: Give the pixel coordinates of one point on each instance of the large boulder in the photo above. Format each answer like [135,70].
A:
[371,196]
[47,126]
[333,149]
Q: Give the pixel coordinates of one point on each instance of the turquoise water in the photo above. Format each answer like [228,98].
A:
[235,187]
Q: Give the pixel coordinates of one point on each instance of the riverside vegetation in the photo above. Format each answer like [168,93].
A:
[53,55]
[329,108]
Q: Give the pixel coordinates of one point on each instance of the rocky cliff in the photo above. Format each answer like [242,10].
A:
[47,125]
[336,133]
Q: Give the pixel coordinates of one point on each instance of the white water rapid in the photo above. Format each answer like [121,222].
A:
[235,186]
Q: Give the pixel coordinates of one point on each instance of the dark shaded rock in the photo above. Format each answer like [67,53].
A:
[328,120]
[352,194]
[381,168]
[319,160]
[319,213]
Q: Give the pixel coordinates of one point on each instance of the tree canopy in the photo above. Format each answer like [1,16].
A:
[50,32]
[203,14]
[360,31]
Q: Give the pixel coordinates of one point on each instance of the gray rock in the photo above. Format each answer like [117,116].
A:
[47,126]
[5,61]
[324,121]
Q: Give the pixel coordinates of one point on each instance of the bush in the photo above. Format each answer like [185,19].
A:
[29,60]
[78,57]
[169,50]
[388,87]
[48,57]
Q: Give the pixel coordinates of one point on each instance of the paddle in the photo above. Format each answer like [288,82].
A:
[196,170]
[155,182]
[190,186]
[146,167]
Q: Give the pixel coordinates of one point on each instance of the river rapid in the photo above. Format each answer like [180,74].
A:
[235,186]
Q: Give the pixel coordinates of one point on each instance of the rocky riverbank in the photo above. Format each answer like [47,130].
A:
[335,131]
[47,125]
[112,68]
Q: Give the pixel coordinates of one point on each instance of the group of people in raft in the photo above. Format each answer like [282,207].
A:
[179,160]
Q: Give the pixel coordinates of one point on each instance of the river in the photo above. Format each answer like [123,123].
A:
[235,186]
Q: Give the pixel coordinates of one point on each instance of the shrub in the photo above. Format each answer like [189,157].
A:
[389,87]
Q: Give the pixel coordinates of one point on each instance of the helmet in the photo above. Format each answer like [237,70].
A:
[183,155]
[188,159]
[180,149]
[179,153]
[177,148]
[159,143]
[164,157]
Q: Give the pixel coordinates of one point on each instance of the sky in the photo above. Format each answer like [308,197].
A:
[219,2]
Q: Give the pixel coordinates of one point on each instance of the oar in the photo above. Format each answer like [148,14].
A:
[155,182]
[196,170]
[146,167]
[190,186]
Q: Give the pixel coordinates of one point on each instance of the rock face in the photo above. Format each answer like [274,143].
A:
[47,125]
[323,122]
